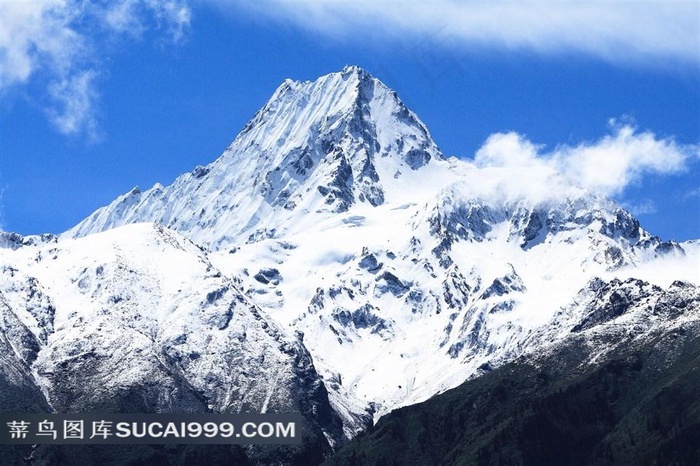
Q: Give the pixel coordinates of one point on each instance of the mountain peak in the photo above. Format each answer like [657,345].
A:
[354,69]
[339,137]
[347,103]
[342,136]
[315,146]
[359,75]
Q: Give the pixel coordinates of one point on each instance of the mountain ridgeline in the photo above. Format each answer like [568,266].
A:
[634,403]
[333,262]
[313,147]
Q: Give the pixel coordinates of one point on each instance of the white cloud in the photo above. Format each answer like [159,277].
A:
[642,207]
[35,35]
[612,30]
[615,161]
[606,166]
[692,193]
[175,15]
[64,42]
[508,150]
[74,97]
[122,17]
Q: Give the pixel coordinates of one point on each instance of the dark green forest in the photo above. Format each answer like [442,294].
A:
[640,405]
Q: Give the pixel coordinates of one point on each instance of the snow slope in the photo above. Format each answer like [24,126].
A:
[137,319]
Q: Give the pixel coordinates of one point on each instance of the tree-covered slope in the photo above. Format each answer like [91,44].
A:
[634,402]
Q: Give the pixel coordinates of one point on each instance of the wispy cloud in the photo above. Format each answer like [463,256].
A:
[618,31]
[606,166]
[74,97]
[64,42]
[692,193]
[641,207]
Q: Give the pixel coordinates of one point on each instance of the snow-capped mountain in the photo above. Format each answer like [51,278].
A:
[137,319]
[621,388]
[314,148]
[336,264]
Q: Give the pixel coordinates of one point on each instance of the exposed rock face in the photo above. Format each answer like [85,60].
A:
[620,391]
[105,325]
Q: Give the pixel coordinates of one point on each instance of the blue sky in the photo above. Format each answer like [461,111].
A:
[99,97]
